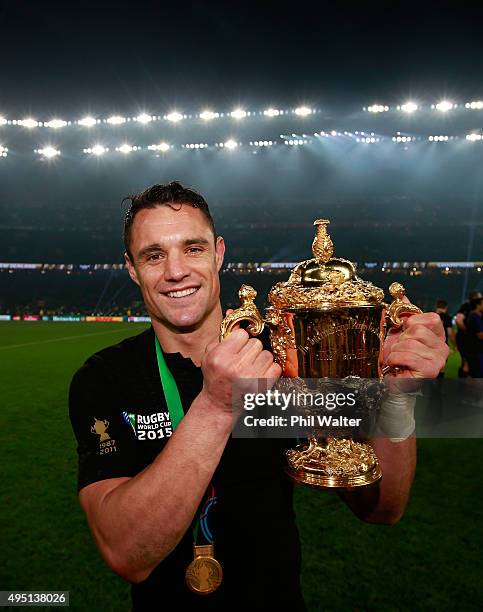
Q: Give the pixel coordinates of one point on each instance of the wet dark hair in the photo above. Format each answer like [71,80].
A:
[160,195]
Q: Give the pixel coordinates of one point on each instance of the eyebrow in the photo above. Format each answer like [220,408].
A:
[156,247]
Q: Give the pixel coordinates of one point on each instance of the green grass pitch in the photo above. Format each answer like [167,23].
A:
[431,560]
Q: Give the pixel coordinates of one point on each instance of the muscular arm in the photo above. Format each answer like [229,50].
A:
[386,501]
[137,521]
[419,348]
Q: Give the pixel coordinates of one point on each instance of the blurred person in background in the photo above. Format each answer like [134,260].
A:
[474,331]
[442,310]
[461,334]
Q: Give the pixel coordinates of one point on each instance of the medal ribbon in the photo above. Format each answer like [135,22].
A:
[170,389]
[176,414]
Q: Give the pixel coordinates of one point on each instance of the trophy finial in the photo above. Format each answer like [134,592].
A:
[322,246]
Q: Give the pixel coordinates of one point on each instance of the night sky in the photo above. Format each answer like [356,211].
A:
[71,58]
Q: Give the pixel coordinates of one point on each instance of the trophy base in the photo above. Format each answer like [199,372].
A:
[337,463]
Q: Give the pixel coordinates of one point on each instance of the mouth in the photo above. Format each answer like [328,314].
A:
[181,293]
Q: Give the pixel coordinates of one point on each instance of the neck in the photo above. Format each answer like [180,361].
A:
[190,342]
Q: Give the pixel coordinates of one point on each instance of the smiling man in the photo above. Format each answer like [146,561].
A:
[195,519]
[174,256]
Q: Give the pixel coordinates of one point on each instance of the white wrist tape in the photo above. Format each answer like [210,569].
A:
[396,417]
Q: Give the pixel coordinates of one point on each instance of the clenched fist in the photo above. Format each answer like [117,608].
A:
[419,346]
[236,357]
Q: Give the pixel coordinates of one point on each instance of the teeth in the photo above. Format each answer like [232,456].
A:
[180,294]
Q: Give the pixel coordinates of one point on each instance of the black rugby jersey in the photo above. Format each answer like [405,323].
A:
[121,422]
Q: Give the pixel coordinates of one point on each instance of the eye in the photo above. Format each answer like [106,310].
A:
[195,250]
[154,257]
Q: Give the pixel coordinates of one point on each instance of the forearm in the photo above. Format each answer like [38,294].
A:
[386,501]
[143,519]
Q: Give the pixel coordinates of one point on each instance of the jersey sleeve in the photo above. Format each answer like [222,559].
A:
[105,441]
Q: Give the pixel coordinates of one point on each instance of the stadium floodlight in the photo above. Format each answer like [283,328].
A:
[126,148]
[96,150]
[303,111]
[87,121]
[230,144]
[143,118]
[238,113]
[162,146]
[403,138]
[28,123]
[3,151]
[475,105]
[3,121]
[55,124]
[474,137]
[378,108]
[444,106]
[196,145]
[208,115]
[174,117]
[116,120]
[48,152]
[409,107]
[271,112]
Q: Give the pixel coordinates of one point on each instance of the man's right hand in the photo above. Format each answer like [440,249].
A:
[236,357]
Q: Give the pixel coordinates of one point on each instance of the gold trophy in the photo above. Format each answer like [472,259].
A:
[326,323]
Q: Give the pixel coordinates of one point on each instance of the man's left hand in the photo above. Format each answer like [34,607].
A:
[418,347]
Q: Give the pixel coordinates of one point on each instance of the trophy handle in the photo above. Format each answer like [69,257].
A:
[396,309]
[399,307]
[246,312]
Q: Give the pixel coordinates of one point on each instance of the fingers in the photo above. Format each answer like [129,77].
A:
[263,361]
[415,365]
[211,345]
[428,320]
[274,371]
[236,340]
[419,346]
[422,360]
[244,355]
[422,334]
[250,351]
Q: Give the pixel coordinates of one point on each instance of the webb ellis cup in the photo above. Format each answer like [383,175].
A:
[326,323]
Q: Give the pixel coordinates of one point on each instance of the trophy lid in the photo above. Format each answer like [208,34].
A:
[324,282]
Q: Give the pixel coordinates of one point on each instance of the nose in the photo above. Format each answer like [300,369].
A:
[176,268]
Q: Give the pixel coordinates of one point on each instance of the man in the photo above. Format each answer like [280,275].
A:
[442,310]
[461,334]
[474,330]
[146,492]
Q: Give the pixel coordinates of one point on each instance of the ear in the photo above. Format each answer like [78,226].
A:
[219,252]
[131,269]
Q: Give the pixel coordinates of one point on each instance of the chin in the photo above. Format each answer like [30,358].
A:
[185,322]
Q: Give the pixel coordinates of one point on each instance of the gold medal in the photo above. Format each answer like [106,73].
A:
[204,574]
